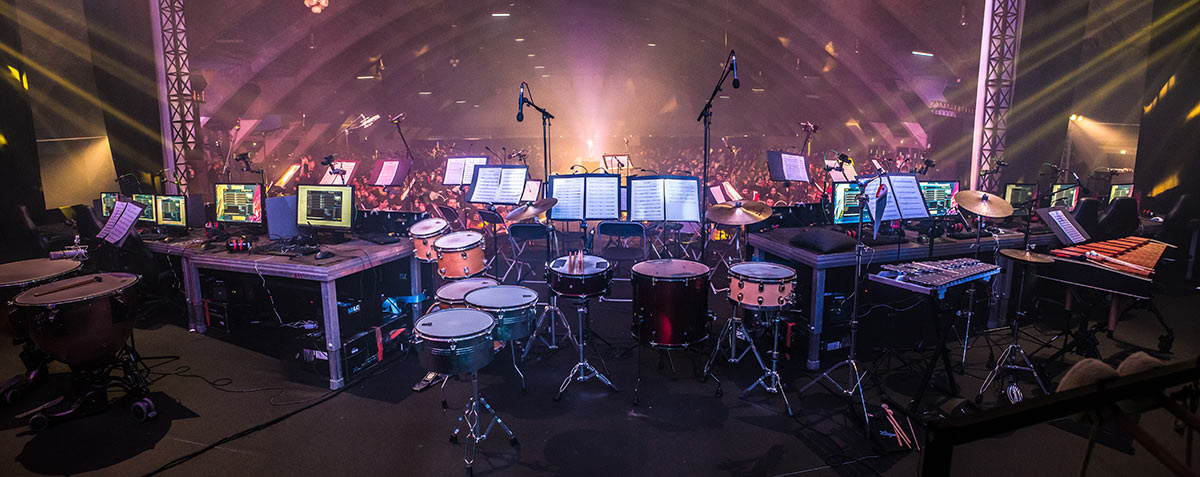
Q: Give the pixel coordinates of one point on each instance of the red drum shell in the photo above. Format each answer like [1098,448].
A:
[670,312]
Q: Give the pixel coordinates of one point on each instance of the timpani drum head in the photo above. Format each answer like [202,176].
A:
[454,323]
[455,291]
[428,226]
[458,240]
[670,268]
[591,266]
[86,287]
[24,272]
[501,297]
[762,271]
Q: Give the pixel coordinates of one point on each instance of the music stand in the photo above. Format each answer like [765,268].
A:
[390,173]
[1063,224]
[338,173]
[498,185]
[460,170]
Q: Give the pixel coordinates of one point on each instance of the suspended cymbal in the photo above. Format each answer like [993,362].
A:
[983,203]
[529,211]
[738,212]
[1027,256]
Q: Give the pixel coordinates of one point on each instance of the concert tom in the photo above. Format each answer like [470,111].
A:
[513,307]
[460,254]
[454,341]
[451,294]
[424,234]
[761,285]
[81,321]
[589,278]
[670,302]
[16,277]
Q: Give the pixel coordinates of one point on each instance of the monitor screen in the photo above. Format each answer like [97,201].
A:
[845,204]
[147,213]
[1019,193]
[239,203]
[1117,191]
[172,210]
[939,196]
[1064,195]
[330,206]
[108,200]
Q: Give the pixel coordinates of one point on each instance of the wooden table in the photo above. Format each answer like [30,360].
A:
[773,246]
[351,257]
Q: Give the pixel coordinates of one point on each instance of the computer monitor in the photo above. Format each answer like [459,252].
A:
[1117,191]
[1017,194]
[108,200]
[325,206]
[1064,195]
[148,214]
[172,210]
[239,203]
[845,204]
[939,197]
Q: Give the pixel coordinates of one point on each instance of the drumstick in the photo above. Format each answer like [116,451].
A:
[96,279]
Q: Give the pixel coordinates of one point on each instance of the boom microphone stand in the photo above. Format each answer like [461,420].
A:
[706,118]
[546,117]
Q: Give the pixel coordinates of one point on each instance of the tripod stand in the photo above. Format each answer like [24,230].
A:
[583,371]
[470,417]
[553,313]
[770,380]
[1008,358]
[734,329]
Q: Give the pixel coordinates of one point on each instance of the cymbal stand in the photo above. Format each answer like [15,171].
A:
[856,376]
[734,329]
[770,380]
[470,418]
[583,371]
[1008,358]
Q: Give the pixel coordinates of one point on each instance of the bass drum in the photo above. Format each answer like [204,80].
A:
[513,307]
[16,277]
[454,341]
[81,321]
[670,303]
[590,277]
[451,294]
[424,234]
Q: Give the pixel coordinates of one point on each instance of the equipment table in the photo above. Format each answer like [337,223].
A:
[351,257]
[774,246]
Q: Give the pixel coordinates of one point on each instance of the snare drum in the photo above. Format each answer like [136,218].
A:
[590,279]
[460,254]
[451,294]
[513,307]
[761,285]
[424,234]
[16,277]
[454,341]
[670,302]
[80,321]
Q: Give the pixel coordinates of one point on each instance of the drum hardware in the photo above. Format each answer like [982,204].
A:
[470,418]
[737,213]
[770,380]
[670,306]
[583,371]
[734,329]
[555,314]
[513,308]
[16,277]
[1008,357]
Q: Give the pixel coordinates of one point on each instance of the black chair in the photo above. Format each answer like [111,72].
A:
[452,216]
[1087,213]
[1181,227]
[492,221]
[519,238]
[86,222]
[1121,220]
[617,236]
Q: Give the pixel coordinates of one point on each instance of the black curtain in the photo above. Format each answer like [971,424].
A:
[20,182]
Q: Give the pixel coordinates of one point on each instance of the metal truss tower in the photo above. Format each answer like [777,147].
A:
[1000,42]
[177,112]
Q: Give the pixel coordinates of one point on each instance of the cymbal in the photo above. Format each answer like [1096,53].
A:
[738,212]
[983,203]
[529,211]
[1027,256]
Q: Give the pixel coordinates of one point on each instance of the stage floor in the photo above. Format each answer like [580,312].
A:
[381,427]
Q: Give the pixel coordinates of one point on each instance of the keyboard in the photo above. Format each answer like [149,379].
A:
[381,238]
[285,249]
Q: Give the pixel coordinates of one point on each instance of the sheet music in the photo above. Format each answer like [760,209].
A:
[569,192]
[387,173]
[486,186]
[454,171]
[682,200]
[731,192]
[646,200]
[847,173]
[718,193]
[878,166]
[124,216]
[1061,219]
[469,168]
[512,185]
[904,197]
[624,199]
[339,179]
[533,189]
[794,168]
[602,200]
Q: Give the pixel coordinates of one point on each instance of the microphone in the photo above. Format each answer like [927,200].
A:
[243,158]
[1079,183]
[733,63]
[521,104]
[67,254]
[844,159]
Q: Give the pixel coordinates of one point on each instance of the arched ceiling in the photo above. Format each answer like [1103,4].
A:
[591,63]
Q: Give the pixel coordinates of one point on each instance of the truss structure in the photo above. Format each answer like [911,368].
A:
[176,102]
[1000,43]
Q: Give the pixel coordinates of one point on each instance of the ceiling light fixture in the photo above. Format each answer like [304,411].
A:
[316,5]
[922,53]
[500,14]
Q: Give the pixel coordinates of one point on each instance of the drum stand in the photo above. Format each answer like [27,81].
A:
[470,417]
[583,371]
[1008,358]
[734,327]
[553,313]
[36,364]
[770,380]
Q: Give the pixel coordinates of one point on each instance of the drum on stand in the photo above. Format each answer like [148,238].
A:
[513,307]
[16,277]
[451,294]
[424,234]
[454,341]
[670,303]
[460,254]
[81,321]
[591,277]
[761,286]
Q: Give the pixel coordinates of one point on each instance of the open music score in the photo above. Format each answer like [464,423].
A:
[724,192]
[846,174]
[586,197]
[533,190]
[501,185]
[1063,224]
[390,173]
[904,198]
[784,166]
[124,215]
[664,198]
[460,170]
[339,179]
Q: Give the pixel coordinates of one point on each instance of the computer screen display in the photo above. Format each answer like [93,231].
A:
[147,213]
[330,206]
[239,203]
[1117,191]
[1017,194]
[172,210]
[939,196]
[845,203]
[1064,195]
[108,200]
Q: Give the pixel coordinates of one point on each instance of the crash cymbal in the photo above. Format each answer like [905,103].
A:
[1027,256]
[738,212]
[529,211]
[983,203]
